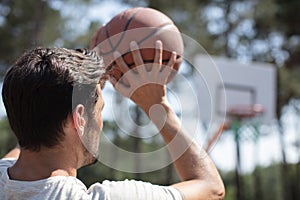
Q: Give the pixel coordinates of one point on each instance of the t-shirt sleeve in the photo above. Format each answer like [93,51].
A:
[7,162]
[135,190]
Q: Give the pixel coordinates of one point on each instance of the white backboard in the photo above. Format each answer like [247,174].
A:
[222,83]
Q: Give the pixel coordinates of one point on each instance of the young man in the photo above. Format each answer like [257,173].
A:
[53,101]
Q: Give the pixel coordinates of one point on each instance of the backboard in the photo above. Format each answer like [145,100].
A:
[223,83]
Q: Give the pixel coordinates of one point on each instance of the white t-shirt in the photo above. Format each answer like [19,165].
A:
[62,187]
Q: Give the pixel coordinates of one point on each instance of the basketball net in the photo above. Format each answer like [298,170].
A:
[238,117]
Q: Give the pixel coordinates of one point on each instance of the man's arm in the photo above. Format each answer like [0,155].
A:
[199,176]
[14,153]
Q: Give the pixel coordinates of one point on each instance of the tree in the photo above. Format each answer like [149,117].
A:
[7,139]
[26,24]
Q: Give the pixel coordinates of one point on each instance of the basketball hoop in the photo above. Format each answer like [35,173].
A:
[241,117]
[237,115]
[245,111]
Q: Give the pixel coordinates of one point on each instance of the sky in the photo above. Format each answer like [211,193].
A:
[265,152]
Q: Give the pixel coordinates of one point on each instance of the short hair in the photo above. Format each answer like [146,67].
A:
[38,92]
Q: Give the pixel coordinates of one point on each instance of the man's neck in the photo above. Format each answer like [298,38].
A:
[46,163]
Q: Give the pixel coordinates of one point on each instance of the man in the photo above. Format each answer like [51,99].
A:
[53,101]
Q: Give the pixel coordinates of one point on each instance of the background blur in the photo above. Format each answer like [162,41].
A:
[246,30]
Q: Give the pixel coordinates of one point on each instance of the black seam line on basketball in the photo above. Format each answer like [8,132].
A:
[151,34]
[107,36]
[128,50]
[138,42]
[145,61]
[123,33]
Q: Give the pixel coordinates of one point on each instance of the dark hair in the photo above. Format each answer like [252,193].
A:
[38,89]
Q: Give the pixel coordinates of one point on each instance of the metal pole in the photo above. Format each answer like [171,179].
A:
[236,127]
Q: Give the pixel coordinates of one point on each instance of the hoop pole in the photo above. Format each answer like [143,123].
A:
[236,125]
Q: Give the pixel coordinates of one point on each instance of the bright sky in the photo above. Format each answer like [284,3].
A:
[223,153]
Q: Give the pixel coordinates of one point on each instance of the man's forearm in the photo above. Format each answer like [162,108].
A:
[192,163]
[190,159]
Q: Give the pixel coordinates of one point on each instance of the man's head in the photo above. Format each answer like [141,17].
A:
[38,93]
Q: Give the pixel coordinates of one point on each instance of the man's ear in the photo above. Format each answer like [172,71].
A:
[78,117]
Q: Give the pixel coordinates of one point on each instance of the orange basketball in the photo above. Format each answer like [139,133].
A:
[143,25]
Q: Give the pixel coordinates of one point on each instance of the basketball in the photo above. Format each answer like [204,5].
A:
[143,25]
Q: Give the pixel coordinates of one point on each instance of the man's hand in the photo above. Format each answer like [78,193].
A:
[145,84]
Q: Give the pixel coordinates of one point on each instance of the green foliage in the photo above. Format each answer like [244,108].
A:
[26,24]
[264,183]
[264,18]
[288,15]
[7,139]
[100,172]
[288,83]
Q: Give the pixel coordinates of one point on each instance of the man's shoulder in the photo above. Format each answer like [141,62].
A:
[7,162]
[56,187]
